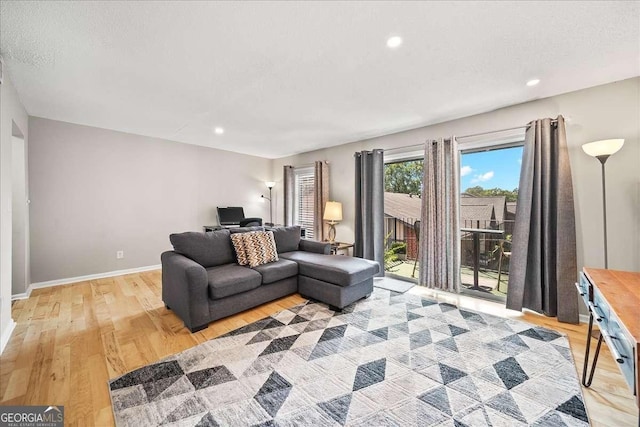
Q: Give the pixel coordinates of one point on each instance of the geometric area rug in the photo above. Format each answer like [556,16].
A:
[390,360]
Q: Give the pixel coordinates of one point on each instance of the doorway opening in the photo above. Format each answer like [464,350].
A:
[19,217]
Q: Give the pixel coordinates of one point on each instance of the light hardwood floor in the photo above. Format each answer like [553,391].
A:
[71,339]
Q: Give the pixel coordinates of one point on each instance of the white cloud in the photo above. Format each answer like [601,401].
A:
[483,177]
[465,170]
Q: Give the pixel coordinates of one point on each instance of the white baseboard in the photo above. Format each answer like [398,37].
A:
[4,340]
[69,280]
[584,318]
[23,295]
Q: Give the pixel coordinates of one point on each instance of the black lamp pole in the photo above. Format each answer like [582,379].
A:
[602,150]
[603,159]
[270,187]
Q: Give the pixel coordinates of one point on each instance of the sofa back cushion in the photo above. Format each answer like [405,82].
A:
[234,230]
[207,249]
[287,238]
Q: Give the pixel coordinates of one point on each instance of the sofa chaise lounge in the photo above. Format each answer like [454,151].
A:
[202,282]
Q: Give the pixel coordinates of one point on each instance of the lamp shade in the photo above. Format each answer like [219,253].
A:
[333,211]
[270,184]
[605,147]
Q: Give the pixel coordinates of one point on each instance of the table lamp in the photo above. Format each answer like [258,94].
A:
[601,150]
[333,215]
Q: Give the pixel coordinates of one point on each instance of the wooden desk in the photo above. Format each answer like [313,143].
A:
[613,298]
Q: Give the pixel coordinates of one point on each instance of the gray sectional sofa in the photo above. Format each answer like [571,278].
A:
[201,281]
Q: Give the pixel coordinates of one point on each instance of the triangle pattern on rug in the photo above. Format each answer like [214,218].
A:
[393,359]
[337,408]
[575,408]
[413,316]
[273,393]
[381,333]
[298,319]
[369,374]
[510,372]
[207,421]
[156,388]
[189,407]
[333,332]
[438,398]
[505,404]
[260,337]
[450,374]
[280,344]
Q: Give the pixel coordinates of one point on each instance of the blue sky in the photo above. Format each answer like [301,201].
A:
[491,169]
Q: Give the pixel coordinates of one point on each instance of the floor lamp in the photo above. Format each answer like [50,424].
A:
[601,150]
[270,185]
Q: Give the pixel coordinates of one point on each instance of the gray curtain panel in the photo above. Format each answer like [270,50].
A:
[439,227]
[321,196]
[289,182]
[543,255]
[369,212]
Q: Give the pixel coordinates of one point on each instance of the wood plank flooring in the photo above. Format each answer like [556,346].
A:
[71,339]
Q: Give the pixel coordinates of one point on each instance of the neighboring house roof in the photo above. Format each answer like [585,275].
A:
[511,207]
[483,213]
[407,208]
[499,204]
[402,206]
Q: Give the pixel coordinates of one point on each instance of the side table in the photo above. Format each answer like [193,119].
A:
[340,248]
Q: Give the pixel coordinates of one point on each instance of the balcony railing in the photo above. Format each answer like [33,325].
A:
[484,249]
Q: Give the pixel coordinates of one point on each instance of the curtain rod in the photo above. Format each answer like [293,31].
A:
[467,136]
[307,165]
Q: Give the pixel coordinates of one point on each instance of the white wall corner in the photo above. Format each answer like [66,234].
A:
[6,335]
[23,295]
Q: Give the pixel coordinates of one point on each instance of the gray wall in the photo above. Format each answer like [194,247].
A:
[95,191]
[602,112]
[13,122]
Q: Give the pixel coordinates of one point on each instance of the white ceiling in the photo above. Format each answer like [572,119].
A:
[289,77]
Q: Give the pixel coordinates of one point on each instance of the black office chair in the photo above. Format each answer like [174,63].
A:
[250,222]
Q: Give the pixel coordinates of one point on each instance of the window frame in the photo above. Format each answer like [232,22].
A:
[298,217]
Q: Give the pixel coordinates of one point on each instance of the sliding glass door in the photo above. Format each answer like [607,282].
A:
[489,179]
[402,204]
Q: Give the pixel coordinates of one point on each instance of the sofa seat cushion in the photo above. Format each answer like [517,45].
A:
[337,269]
[231,279]
[277,270]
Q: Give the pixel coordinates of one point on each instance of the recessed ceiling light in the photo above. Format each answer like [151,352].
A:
[394,42]
[533,82]
[219,131]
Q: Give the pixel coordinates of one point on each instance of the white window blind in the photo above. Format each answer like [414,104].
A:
[304,199]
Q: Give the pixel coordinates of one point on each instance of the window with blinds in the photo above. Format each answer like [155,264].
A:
[304,199]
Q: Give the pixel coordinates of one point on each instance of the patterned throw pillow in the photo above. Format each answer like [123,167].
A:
[255,248]
[260,247]
[238,244]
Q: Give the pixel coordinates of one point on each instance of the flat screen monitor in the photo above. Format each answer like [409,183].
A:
[230,216]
